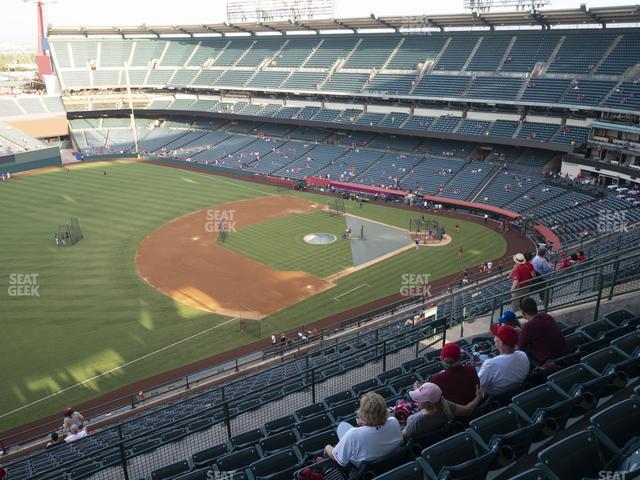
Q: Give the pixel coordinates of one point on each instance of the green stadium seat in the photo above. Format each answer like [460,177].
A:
[619,426]
[581,455]
[461,456]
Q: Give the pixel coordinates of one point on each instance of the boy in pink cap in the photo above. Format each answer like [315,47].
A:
[435,411]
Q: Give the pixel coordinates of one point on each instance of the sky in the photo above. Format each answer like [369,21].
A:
[18,19]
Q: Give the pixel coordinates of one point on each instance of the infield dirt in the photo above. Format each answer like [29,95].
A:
[184,260]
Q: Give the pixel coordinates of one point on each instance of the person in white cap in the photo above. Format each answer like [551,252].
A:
[520,280]
[435,411]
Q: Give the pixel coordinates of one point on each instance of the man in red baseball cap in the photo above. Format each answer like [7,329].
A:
[458,382]
[509,369]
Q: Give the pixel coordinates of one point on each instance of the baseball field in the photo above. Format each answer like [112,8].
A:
[152,287]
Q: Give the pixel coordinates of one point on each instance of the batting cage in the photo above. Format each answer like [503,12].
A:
[69,233]
[427,229]
[336,207]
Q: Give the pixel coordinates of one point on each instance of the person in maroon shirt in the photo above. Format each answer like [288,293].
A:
[540,338]
[520,279]
[458,382]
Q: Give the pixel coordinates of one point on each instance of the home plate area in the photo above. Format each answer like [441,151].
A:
[379,240]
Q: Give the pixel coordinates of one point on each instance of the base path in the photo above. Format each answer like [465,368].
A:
[183,260]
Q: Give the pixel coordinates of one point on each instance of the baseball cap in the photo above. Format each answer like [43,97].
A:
[506,333]
[428,392]
[507,316]
[450,351]
[68,410]
[519,258]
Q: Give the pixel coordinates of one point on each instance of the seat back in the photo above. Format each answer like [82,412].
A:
[408,471]
[576,457]
[277,442]
[208,456]
[388,462]
[247,438]
[620,423]
[280,465]
[605,359]
[455,450]
[598,328]
[314,424]
[314,445]
[238,460]
[280,424]
[170,471]
[338,398]
[309,411]
[629,343]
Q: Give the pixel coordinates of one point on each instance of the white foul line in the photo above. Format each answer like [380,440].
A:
[352,290]
[117,368]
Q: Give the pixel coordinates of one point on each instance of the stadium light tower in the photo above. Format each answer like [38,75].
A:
[43,61]
[487,5]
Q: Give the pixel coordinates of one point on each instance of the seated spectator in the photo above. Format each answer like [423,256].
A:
[509,318]
[435,410]
[75,433]
[541,338]
[55,440]
[71,417]
[376,435]
[509,369]
[458,382]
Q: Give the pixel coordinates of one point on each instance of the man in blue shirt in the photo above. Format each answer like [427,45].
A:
[542,267]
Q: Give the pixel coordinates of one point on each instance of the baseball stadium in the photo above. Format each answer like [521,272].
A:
[289,244]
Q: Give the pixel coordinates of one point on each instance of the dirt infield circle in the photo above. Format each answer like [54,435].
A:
[183,260]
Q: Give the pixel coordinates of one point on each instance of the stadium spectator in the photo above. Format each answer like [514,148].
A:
[507,370]
[457,381]
[55,440]
[541,338]
[376,435]
[510,318]
[581,256]
[520,278]
[75,433]
[435,410]
[3,473]
[71,417]
[541,267]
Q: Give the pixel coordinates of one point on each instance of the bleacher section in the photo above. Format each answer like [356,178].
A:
[428,166]
[440,65]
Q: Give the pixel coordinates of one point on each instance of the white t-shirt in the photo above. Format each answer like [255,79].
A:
[504,372]
[72,438]
[368,443]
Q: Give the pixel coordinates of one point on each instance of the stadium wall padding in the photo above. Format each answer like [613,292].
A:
[47,157]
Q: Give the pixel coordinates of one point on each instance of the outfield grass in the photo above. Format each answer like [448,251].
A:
[95,317]
[280,243]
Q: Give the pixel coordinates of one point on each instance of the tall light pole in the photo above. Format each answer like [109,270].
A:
[43,61]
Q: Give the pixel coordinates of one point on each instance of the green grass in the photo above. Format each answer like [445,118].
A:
[280,243]
[96,317]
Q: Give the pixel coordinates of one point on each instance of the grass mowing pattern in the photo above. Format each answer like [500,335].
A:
[280,243]
[94,313]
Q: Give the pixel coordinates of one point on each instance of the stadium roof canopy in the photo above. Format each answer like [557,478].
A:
[603,16]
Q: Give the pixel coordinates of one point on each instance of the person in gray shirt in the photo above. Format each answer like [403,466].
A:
[435,411]
[542,267]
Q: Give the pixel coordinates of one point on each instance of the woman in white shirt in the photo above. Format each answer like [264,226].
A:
[377,434]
